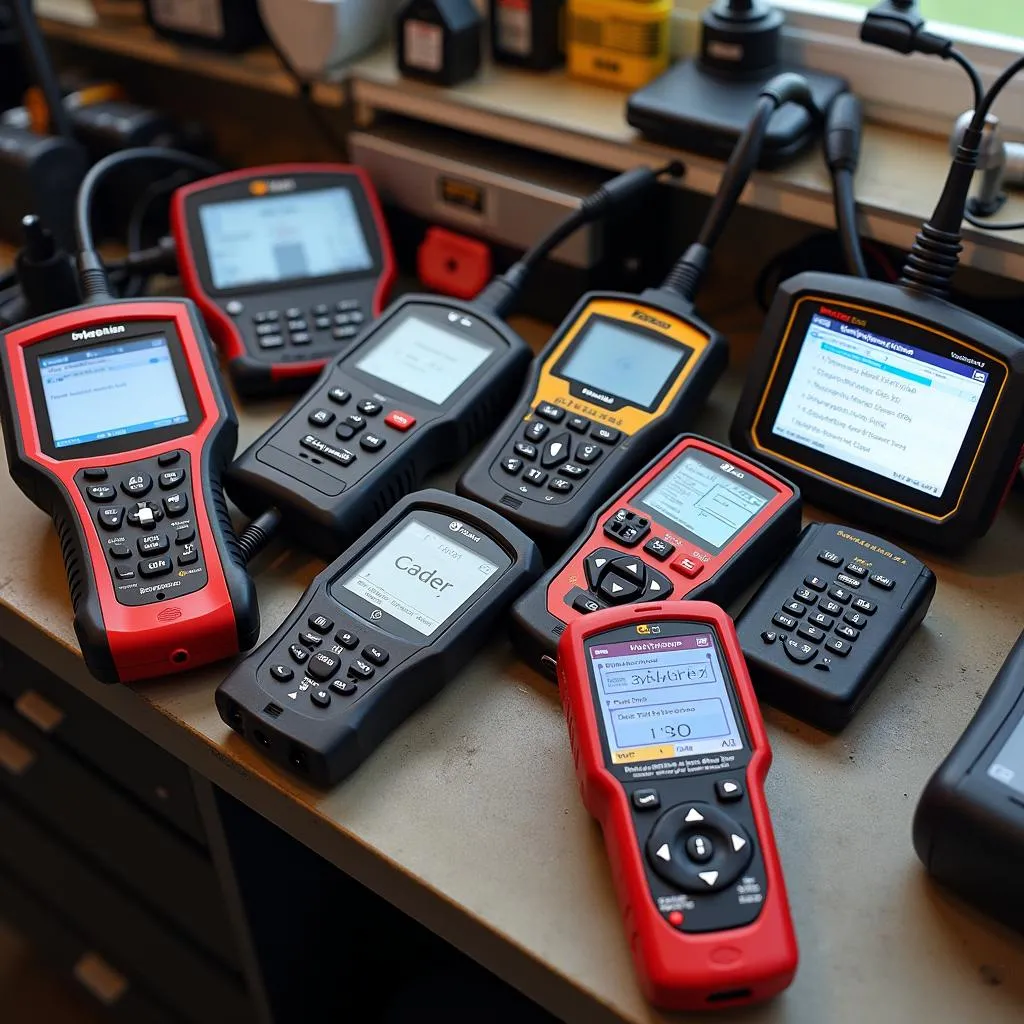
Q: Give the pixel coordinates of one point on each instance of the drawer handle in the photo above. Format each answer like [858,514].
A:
[95,975]
[15,756]
[43,714]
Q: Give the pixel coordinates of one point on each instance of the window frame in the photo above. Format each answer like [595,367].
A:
[917,92]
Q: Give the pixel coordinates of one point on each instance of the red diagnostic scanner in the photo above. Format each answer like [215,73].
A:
[116,423]
[287,263]
[700,521]
[671,757]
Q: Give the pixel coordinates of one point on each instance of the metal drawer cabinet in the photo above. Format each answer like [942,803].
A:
[57,709]
[176,972]
[160,866]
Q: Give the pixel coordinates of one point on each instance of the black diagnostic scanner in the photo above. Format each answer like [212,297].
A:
[891,405]
[823,628]
[421,386]
[377,633]
[969,826]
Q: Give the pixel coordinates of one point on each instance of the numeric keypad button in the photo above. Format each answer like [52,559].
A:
[536,431]
[138,485]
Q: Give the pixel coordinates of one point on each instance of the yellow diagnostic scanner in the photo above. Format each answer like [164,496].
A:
[622,376]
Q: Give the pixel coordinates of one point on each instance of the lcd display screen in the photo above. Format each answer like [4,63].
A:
[891,408]
[664,698]
[289,237]
[1008,767]
[97,393]
[424,359]
[420,577]
[634,365]
[709,501]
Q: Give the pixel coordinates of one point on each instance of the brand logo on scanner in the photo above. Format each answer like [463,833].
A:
[272,187]
[99,332]
[639,314]
[645,630]
[597,396]
[456,527]
[731,470]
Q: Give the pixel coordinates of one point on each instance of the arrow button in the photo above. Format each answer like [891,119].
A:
[708,876]
[693,815]
[663,852]
[738,842]
[617,589]
[556,451]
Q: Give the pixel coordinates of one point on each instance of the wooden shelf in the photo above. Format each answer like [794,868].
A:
[900,178]
[257,69]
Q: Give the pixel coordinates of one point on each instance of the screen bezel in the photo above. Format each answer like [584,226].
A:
[905,331]
[751,482]
[669,629]
[685,354]
[137,330]
[991,751]
[484,547]
[480,332]
[303,182]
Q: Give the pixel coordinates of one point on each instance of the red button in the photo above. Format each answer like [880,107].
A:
[400,420]
[675,918]
[688,567]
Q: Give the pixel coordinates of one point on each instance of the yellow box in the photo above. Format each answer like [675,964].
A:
[618,42]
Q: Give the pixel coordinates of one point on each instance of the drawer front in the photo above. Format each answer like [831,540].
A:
[54,707]
[74,957]
[176,972]
[163,868]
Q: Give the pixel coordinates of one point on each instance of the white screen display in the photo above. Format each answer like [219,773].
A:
[1008,767]
[629,364]
[284,238]
[98,393]
[709,503]
[424,359]
[664,697]
[898,411]
[420,577]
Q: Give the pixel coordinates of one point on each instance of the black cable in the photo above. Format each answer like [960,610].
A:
[305,91]
[258,534]
[685,277]
[980,222]
[986,105]
[935,254]
[844,124]
[846,223]
[135,284]
[500,295]
[91,272]
[977,85]
[35,49]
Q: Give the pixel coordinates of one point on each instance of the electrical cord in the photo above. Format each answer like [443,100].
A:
[305,90]
[844,125]
[91,271]
[502,293]
[935,254]
[135,285]
[685,277]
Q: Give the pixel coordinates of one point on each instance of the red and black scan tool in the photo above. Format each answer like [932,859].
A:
[671,757]
[116,424]
[700,521]
[287,263]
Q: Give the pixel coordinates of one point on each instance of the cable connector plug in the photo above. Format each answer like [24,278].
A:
[897,25]
[844,126]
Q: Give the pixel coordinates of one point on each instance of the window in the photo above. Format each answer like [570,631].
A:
[918,92]
[1003,16]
